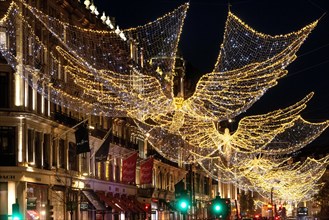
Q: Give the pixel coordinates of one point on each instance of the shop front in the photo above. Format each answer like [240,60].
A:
[36,201]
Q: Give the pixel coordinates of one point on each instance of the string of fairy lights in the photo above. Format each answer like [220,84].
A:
[130,73]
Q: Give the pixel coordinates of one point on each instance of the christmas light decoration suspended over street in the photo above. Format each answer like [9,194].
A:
[130,73]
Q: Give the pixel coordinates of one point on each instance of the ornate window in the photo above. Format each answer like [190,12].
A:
[3,37]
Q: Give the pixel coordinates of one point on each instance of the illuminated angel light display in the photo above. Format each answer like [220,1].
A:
[100,72]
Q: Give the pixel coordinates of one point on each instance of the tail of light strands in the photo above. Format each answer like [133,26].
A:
[99,72]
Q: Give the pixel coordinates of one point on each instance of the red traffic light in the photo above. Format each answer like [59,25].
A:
[147,207]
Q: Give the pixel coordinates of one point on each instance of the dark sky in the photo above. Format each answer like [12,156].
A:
[203,32]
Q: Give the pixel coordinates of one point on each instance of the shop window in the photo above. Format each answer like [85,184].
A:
[61,153]
[3,200]
[46,151]
[37,198]
[38,150]
[107,170]
[39,103]
[98,170]
[117,173]
[3,37]
[7,146]
[159,185]
[111,167]
[4,90]
[54,154]
[73,159]
[141,148]
[84,163]
[206,186]
[30,93]
[102,170]
[30,146]
[168,187]
[100,167]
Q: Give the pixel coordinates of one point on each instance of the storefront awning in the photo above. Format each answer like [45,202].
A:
[120,202]
[93,199]
[137,204]
[131,205]
[111,203]
[167,205]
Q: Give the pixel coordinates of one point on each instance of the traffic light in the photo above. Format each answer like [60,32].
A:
[147,207]
[220,207]
[49,211]
[16,215]
[183,202]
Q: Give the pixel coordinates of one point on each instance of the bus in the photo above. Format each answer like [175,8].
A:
[302,213]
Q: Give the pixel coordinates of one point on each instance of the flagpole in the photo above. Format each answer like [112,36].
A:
[123,155]
[55,138]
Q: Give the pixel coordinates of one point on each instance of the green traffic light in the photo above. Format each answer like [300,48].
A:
[16,216]
[15,209]
[183,201]
[220,207]
[183,205]
[217,208]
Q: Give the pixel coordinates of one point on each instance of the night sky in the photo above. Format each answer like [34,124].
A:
[203,32]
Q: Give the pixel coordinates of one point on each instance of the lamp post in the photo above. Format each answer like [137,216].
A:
[271,215]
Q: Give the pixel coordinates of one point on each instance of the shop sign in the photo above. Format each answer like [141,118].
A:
[84,206]
[7,177]
[31,204]
[71,205]
[147,193]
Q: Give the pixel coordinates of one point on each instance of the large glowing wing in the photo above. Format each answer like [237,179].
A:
[101,48]
[157,44]
[295,137]
[280,131]
[287,180]
[223,96]
[292,181]
[159,39]
[242,45]
[241,169]
[136,95]
[240,79]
